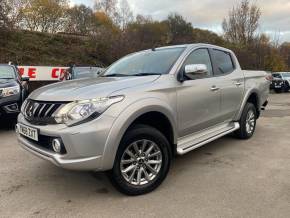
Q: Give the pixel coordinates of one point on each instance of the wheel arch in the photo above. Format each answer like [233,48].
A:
[252,96]
[138,113]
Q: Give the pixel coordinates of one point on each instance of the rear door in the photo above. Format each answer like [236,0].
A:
[198,101]
[230,80]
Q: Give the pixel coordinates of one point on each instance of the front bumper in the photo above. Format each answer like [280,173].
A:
[84,144]
[10,105]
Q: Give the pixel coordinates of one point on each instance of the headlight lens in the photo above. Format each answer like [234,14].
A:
[9,91]
[82,111]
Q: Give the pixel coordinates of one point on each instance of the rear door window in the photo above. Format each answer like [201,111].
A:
[223,62]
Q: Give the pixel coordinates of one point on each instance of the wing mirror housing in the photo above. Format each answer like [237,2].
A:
[196,69]
[193,71]
[25,78]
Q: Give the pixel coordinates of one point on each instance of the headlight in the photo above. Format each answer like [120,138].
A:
[5,92]
[82,111]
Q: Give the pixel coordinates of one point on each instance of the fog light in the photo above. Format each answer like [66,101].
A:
[12,108]
[56,145]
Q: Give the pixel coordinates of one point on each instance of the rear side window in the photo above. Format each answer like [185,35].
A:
[223,62]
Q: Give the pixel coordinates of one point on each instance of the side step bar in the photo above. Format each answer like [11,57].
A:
[192,142]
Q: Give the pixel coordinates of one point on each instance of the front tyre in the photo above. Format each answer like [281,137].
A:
[142,161]
[247,122]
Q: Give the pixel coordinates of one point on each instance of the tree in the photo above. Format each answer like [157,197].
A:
[206,36]
[11,13]
[81,20]
[242,23]
[126,15]
[144,35]
[109,7]
[180,31]
[45,15]
[274,62]
[285,53]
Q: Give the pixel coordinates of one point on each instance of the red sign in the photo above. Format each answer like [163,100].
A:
[43,73]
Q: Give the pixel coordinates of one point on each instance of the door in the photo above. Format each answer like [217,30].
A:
[230,80]
[198,99]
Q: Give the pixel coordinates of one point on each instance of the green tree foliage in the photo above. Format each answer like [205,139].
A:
[45,15]
[180,31]
[285,53]
[81,20]
[35,48]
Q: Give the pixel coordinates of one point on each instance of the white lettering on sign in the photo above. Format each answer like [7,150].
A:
[42,73]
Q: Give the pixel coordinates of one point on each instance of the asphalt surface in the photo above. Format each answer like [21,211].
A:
[226,178]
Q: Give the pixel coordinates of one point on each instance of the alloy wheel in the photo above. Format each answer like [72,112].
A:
[141,162]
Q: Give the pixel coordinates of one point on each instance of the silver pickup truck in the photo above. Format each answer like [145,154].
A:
[142,111]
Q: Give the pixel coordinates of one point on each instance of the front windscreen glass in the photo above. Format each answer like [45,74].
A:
[278,76]
[7,72]
[151,62]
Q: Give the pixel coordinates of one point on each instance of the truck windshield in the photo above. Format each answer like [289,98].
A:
[277,76]
[7,72]
[153,62]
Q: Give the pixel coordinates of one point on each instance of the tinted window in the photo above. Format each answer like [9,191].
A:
[200,56]
[223,62]
[158,61]
[7,72]
[277,76]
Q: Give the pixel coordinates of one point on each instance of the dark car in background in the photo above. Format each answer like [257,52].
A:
[13,90]
[280,82]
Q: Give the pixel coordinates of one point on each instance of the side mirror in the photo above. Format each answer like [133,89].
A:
[25,78]
[195,69]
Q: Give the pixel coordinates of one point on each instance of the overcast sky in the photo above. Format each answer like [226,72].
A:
[208,14]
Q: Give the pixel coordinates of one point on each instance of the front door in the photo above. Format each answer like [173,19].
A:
[198,100]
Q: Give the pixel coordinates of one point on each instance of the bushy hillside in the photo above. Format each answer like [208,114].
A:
[34,48]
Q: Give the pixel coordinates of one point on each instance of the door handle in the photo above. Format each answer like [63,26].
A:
[214,88]
[238,83]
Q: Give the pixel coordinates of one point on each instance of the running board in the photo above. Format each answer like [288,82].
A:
[194,141]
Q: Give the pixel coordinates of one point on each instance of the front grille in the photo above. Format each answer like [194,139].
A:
[40,112]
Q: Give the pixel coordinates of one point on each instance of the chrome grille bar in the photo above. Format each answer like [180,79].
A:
[40,112]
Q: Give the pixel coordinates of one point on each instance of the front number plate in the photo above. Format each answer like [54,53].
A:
[28,132]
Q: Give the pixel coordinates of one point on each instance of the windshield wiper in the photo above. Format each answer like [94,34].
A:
[115,75]
[146,74]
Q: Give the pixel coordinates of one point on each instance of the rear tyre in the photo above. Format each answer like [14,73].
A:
[247,122]
[142,161]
